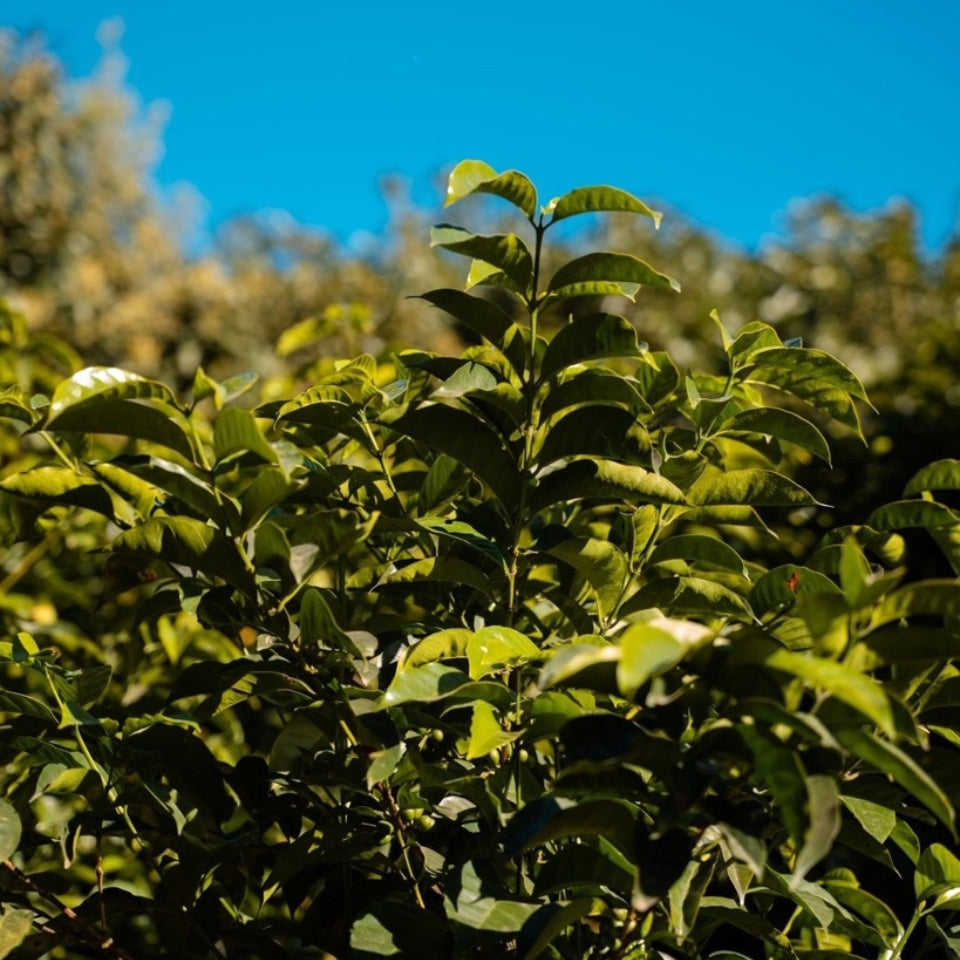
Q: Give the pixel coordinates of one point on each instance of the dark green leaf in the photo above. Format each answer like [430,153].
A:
[600,563]
[940,475]
[482,316]
[688,595]
[901,767]
[590,338]
[468,440]
[505,252]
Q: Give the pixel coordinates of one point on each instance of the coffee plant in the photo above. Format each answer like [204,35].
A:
[471,656]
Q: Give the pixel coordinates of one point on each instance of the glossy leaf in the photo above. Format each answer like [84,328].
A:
[189,543]
[574,278]
[425,684]
[561,918]
[938,871]
[62,485]
[475,176]
[595,388]
[590,338]
[940,475]
[99,384]
[780,424]
[688,595]
[645,651]
[861,692]
[699,549]
[600,563]
[449,644]
[507,253]
[613,434]
[492,648]
[604,480]
[482,316]
[486,733]
[468,440]
[890,759]
[876,818]
[753,487]
[236,431]
[780,587]
[599,199]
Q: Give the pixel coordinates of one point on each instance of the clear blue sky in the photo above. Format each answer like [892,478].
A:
[727,110]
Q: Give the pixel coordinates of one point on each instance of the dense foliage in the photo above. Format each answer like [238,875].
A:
[470,655]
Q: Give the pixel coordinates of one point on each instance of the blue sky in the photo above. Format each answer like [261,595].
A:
[726,110]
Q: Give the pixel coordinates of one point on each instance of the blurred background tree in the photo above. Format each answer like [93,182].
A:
[91,251]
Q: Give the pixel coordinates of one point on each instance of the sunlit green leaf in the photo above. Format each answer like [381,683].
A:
[646,651]
[236,431]
[475,176]
[604,480]
[753,487]
[780,424]
[99,384]
[600,563]
[615,268]
[486,733]
[15,926]
[696,548]
[497,647]
[940,475]
[10,830]
[599,199]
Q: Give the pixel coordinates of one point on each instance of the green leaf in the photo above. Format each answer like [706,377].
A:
[559,920]
[780,587]
[463,533]
[923,598]
[391,928]
[236,431]
[938,872]
[507,253]
[625,274]
[597,200]
[871,908]
[603,480]
[486,734]
[901,767]
[424,684]
[578,662]
[823,823]
[940,475]
[469,378]
[902,514]
[189,543]
[590,338]
[861,692]
[62,485]
[10,830]
[781,425]
[480,911]
[493,648]
[910,644]
[600,563]
[449,644]
[688,595]
[876,818]
[613,434]
[645,651]
[99,384]
[319,625]
[15,927]
[468,440]
[697,548]
[813,377]
[778,766]
[442,569]
[22,705]
[270,486]
[482,316]
[588,863]
[593,387]
[753,487]
[475,176]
